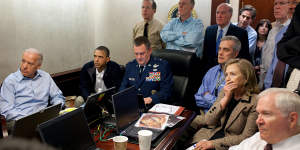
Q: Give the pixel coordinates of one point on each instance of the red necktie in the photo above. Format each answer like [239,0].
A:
[268,147]
[278,74]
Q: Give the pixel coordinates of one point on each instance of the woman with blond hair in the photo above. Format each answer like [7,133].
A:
[232,117]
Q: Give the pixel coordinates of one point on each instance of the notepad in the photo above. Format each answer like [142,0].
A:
[167,109]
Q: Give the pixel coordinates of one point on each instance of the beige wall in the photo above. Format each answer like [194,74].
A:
[116,18]
[67,31]
[235,14]
[58,28]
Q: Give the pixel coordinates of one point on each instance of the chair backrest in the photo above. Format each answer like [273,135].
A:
[3,128]
[183,65]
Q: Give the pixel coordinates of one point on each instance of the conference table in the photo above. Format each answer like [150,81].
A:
[166,143]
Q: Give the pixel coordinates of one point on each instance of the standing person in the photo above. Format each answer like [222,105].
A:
[151,76]
[99,74]
[263,28]
[277,74]
[289,46]
[184,32]
[29,89]
[278,122]
[214,33]
[247,15]
[281,11]
[149,27]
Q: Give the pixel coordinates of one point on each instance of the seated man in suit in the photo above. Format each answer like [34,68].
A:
[278,122]
[214,33]
[184,32]
[100,74]
[151,76]
[214,79]
[28,90]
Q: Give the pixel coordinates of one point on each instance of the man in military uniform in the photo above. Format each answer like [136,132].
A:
[151,76]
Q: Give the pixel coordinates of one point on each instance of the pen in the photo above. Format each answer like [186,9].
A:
[194,146]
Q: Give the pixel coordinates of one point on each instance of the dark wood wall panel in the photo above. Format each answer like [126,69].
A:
[264,9]
[214,5]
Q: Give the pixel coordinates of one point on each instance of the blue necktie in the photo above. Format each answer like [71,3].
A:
[219,40]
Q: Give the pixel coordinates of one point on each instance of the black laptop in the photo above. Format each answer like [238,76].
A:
[96,102]
[68,132]
[26,127]
[126,109]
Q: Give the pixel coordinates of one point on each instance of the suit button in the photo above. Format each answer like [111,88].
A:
[139,89]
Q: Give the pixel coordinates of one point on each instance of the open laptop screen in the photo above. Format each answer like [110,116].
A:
[94,102]
[126,108]
[68,132]
[26,127]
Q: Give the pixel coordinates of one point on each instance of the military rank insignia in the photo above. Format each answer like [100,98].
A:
[153,76]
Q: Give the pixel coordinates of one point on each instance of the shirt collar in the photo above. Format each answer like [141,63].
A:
[149,22]
[100,73]
[20,76]
[287,142]
[286,23]
[246,96]
[147,64]
[225,29]
[220,67]
[248,28]
[187,20]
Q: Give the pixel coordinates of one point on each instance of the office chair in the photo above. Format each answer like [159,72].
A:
[185,75]
[3,128]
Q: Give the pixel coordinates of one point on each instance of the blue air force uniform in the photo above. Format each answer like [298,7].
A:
[155,81]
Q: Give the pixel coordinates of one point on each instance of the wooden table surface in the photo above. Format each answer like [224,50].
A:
[167,143]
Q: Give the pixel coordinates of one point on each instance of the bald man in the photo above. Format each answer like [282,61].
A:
[29,89]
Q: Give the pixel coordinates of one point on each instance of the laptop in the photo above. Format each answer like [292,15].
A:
[96,102]
[26,127]
[68,132]
[126,109]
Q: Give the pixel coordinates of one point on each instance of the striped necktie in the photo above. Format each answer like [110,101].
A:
[219,40]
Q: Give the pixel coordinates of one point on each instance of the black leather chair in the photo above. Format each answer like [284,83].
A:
[3,128]
[186,76]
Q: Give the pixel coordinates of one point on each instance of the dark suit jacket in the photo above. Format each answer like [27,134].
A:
[112,77]
[288,48]
[209,50]
[240,125]
[156,81]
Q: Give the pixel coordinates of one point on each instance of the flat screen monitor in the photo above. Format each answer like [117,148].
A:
[27,127]
[68,132]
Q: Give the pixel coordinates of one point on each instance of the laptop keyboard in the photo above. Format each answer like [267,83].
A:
[132,131]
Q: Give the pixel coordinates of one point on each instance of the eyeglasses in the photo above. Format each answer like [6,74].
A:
[280,3]
[297,92]
[294,3]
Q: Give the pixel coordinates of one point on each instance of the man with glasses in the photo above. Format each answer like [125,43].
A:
[281,11]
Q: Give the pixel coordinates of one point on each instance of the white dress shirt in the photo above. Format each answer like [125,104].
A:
[99,84]
[256,143]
